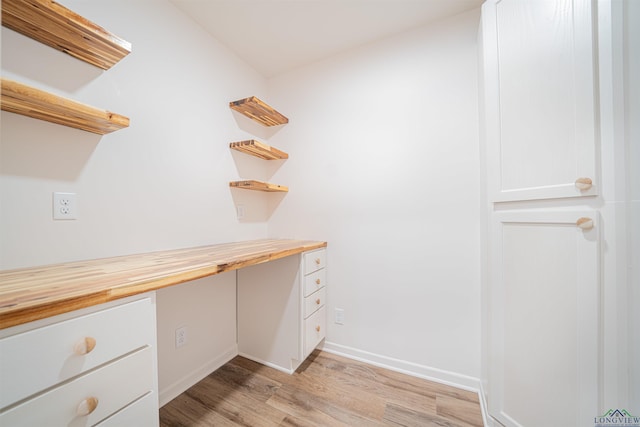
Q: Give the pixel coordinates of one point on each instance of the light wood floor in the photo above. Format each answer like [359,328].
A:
[327,390]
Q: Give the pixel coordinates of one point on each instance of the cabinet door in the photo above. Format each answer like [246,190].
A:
[544,321]
[540,103]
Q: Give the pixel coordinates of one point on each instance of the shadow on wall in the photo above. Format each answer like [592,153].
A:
[29,150]
[31,59]
[259,131]
[255,206]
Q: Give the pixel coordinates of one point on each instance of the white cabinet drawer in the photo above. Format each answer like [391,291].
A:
[314,302]
[114,385]
[314,330]
[314,260]
[142,412]
[38,359]
[314,281]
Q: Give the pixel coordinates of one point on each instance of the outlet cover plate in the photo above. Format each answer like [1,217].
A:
[65,206]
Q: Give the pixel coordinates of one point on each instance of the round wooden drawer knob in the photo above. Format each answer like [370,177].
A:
[87,406]
[318,261]
[583,184]
[84,346]
[318,301]
[317,281]
[585,223]
[318,328]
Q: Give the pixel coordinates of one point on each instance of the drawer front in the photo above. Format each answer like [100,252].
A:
[314,330]
[115,385]
[43,357]
[314,281]
[314,301]
[142,412]
[314,260]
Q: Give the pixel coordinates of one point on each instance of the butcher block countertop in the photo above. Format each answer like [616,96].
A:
[34,293]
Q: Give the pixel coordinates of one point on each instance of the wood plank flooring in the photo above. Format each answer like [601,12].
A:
[327,390]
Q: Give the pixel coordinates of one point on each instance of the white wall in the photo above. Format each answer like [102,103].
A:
[383,145]
[207,309]
[161,183]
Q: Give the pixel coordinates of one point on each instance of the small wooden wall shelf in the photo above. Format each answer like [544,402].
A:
[54,25]
[31,102]
[259,111]
[258,149]
[259,186]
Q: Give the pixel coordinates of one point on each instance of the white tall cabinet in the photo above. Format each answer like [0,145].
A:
[551,284]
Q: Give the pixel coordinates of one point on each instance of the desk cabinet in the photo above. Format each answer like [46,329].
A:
[81,368]
[281,310]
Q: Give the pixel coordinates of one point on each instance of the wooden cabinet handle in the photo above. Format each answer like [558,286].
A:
[318,261]
[317,281]
[87,406]
[318,328]
[318,301]
[84,346]
[585,223]
[583,184]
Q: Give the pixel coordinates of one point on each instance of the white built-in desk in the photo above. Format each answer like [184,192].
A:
[78,339]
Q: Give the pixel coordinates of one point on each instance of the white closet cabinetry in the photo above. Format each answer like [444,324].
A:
[540,93]
[539,62]
[544,322]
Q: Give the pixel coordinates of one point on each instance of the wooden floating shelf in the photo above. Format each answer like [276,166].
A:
[259,186]
[38,104]
[259,111]
[54,25]
[258,149]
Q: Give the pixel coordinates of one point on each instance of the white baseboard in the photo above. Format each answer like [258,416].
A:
[421,371]
[265,363]
[486,418]
[174,390]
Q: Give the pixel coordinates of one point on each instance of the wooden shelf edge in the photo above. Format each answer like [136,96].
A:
[259,111]
[60,28]
[259,186]
[38,104]
[258,149]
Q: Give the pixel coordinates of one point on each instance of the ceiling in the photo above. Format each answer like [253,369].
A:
[275,36]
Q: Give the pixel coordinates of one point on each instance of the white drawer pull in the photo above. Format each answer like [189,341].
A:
[318,328]
[84,346]
[318,301]
[585,223]
[583,184]
[317,281]
[87,406]
[318,261]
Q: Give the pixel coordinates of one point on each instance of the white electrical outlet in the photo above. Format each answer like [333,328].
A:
[65,206]
[181,336]
[240,211]
[339,319]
